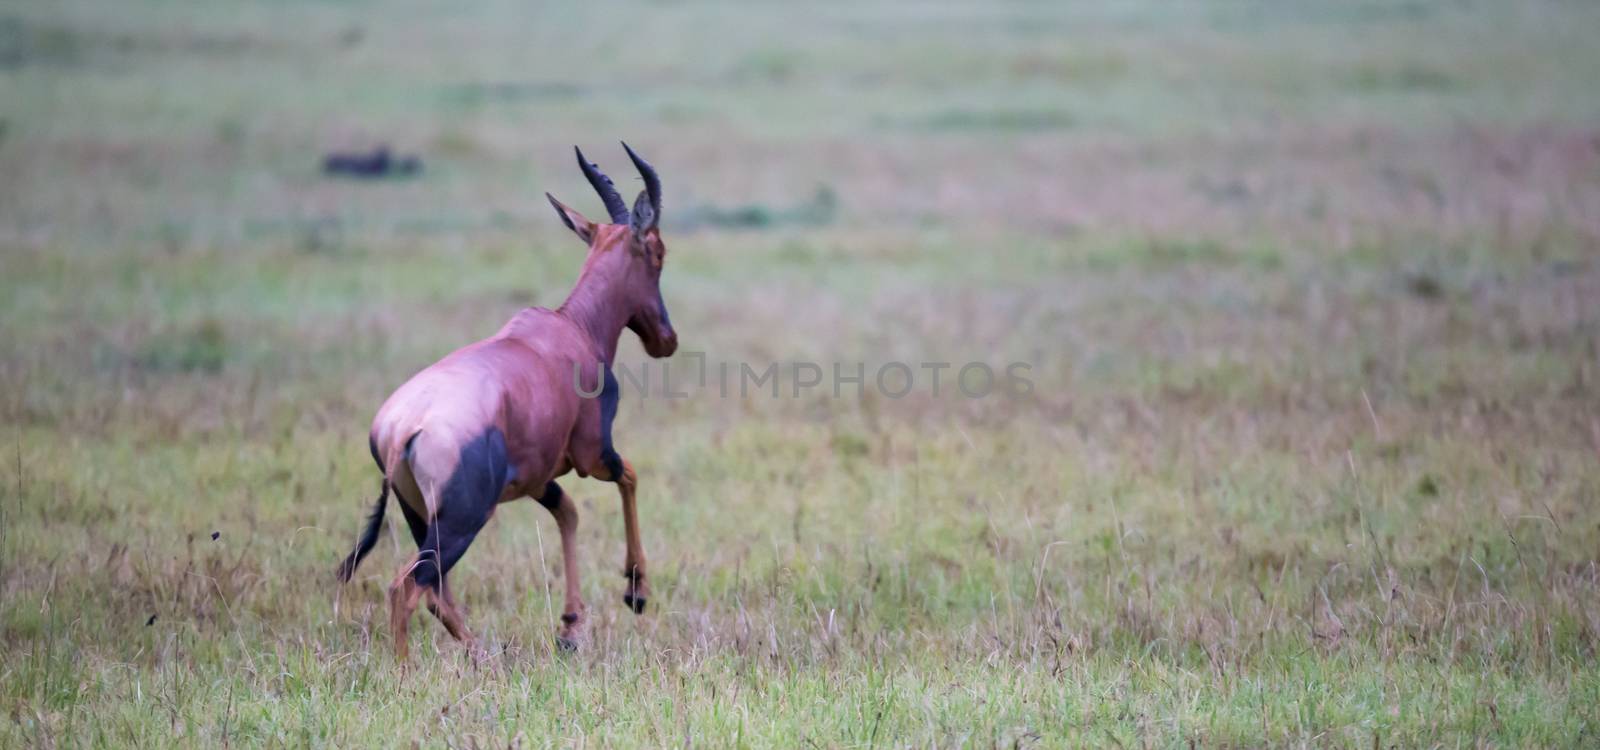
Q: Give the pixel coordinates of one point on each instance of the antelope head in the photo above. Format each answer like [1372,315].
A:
[626,255]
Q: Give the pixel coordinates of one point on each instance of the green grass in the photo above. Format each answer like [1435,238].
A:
[1308,290]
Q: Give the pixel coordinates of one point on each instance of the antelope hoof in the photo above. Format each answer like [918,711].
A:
[637,591]
[570,636]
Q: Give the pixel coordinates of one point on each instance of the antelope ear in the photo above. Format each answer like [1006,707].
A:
[574,220]
[644,216]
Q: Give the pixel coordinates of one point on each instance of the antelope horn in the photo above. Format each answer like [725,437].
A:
[652,183]
[602,185]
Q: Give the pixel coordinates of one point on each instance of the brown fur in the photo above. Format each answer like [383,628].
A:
[520,382]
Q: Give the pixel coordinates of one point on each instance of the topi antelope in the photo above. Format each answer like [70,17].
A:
[503,418]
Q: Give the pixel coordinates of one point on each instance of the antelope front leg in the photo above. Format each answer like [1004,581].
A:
[638,589]
[565,511]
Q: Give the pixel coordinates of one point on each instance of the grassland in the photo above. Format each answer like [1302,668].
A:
[1311,293]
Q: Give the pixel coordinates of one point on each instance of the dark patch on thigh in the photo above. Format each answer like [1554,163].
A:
[464,506]
[418,525]
[551,499]
[610,397]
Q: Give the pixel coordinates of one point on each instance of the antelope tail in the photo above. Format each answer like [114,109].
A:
[369,536]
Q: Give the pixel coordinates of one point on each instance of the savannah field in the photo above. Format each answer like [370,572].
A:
[1310,292]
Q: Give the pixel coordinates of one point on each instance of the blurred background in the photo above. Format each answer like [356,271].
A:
[1311,294]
